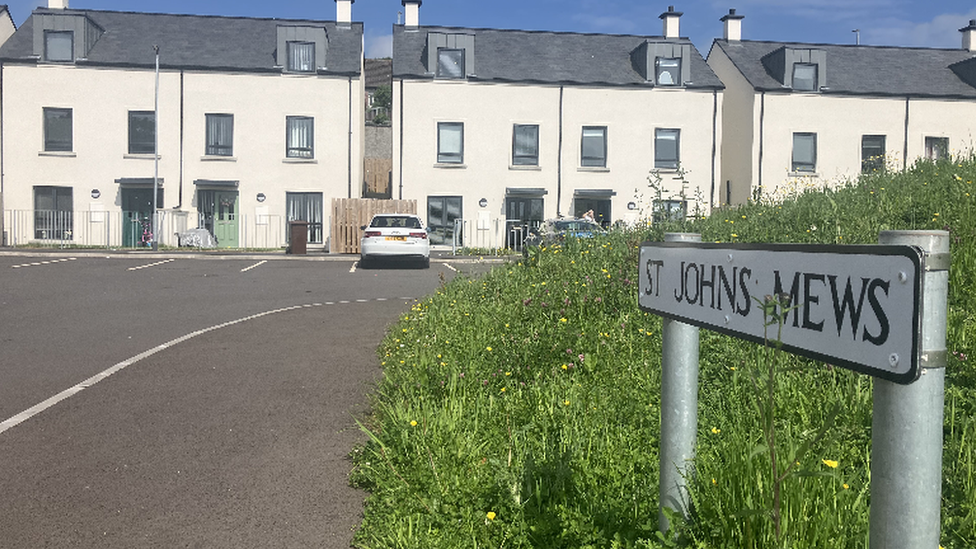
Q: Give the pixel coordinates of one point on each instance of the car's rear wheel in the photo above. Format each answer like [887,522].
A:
[425,263]
[364,263]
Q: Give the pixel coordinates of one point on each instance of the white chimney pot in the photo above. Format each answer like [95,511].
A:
[57,4]
[671,25]
[969,36]
[733,26]
[412,12]
[344,11]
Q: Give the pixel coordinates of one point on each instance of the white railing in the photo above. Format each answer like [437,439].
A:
[494,235]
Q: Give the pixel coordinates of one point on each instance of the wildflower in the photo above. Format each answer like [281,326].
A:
[503,389]
[491,515]
[488,349]
[563,320]
[508,373]
[565,367]
[846,486]
[830,463]
[566,402]
[413,423]
[714,482]
[737,236]
[716,430]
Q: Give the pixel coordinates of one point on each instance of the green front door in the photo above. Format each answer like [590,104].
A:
[137,207]
[225,219]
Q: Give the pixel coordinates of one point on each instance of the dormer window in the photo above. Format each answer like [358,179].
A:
[301,56]
[667,71]
[805,77]
[450,63]
[59,46]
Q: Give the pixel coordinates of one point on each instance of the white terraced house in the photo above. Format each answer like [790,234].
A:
[807,115]
[496,130]
[260,122]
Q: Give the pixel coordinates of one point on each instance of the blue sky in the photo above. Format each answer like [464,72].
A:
[881,22]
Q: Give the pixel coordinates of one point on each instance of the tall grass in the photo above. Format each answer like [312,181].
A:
[521,409]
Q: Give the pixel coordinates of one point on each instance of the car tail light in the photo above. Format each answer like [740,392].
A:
[421,234]
[369,234]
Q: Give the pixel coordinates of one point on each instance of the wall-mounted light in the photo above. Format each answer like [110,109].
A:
[483,202]
[631,205]
[261,197]
[96,193]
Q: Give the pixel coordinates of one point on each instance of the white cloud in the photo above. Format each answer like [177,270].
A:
[379,46]
[940,32]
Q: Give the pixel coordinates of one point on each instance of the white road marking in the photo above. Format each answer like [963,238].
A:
[451,267]
[258,264]
[354,265]
[38,264]
[158,263]
[71,391]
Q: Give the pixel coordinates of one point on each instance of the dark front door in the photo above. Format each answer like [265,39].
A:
[137,208]
[442,212]
[522,215]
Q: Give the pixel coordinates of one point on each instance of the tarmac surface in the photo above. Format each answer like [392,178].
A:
[190,400]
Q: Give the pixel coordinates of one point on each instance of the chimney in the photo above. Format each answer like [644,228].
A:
[412,15]
[57,4]
[670,18]
[969,36]
[344,11]
[733,26]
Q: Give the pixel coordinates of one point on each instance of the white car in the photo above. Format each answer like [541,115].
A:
[389,236]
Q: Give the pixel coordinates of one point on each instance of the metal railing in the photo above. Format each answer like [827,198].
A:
[494,235]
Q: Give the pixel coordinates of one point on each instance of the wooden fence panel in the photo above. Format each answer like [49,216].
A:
[349,214]
[378,177]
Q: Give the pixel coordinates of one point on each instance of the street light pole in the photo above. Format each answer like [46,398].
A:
[155,216]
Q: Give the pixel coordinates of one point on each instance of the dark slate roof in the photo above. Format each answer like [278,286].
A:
[194,41]
[863,70]
[544,57]
[378,72]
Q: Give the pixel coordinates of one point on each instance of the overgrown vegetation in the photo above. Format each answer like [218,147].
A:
[522,409]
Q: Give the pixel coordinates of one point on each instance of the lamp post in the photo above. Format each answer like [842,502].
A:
[155,216]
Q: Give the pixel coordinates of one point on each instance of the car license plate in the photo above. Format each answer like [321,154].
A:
[398,238]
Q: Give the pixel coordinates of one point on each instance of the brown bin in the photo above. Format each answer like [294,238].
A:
[297,237]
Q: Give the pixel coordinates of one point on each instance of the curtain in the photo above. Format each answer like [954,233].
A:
[220,134]
[526,145]
[300,133]
[307,207]
[301,56]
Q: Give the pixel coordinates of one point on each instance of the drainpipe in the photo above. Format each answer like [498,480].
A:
[349,145]
[904,156]
[762,125]
[2,228]
[400,167]
[179,206]
[711,196]
[559,160]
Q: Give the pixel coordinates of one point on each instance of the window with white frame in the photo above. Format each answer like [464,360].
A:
[301,56]
[450,143]
[220,135]
[593,148]
[53,213]
[142,132]
[804,152]
[666,148]
[57,130]
[299,137]
[450,63]
[936,148]
[667,71]
[59,46]
[525,145]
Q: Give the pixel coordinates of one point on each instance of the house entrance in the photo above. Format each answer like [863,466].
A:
[219,215]
[522,215]
[442,211]
[137,208]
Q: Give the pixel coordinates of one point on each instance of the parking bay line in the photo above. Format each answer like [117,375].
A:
[38,264]
[158,263]
[258,264]
[71,391]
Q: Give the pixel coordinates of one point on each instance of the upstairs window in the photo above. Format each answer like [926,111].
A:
[666,146]
[220,135]
[59,46]
[57,130]
[936,148]
[299,132]
[301,56]
[142,132]
[450,63]
[450,143]
[667,71]
[593,151]
[804,152]
[805,77]
[525,145]
[872,153]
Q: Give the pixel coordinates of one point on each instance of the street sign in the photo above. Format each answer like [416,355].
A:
[858,306]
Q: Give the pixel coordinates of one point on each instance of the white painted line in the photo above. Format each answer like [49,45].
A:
[354,265]
[258,264]
[49,262]
[451,267]
[71,391]
[158,263]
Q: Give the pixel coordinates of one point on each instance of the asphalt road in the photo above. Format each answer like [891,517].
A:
[153,401]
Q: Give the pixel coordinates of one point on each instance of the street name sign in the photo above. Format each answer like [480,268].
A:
[856,306]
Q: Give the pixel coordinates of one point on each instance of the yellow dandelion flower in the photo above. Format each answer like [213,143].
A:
[491,515]
[830,463]
[714,481]
[508,373]
[488,349]
[846,486]
[566,402]
[413,423]
[563,320]
[565,367]
[503,389]
[716,430]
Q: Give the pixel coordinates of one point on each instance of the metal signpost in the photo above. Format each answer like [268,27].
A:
[878,310]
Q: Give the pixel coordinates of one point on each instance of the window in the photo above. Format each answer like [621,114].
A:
[299,135]
[666,142]
[59,45]
[307,207]
[936,148]
[594,147]
[668,71]
[53,207]
[301,56]
[142,132]
[670,210]
[450,143]
[805,77]
[220,135]
[450,63]
[805,152]
[872,153]
[57,129]
[525,145]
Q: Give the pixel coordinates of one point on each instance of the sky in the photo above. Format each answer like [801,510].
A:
[880,22]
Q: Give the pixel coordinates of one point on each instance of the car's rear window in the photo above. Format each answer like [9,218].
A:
[405,221]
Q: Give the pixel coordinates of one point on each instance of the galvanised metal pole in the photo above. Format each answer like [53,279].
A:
[679,409]
[155,217]
[906,429]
